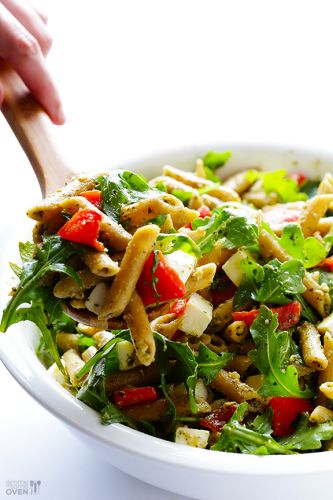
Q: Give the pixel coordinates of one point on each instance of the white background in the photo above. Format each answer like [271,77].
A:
[148,75]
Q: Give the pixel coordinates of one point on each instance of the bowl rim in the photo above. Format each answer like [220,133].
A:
[31,375]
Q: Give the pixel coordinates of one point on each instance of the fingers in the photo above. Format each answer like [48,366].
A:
[23,52]
[33,22]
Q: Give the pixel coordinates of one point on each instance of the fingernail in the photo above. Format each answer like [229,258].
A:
[60,116]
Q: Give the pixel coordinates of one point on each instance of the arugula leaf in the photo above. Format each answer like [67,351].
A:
[275,282]
[16,269]
[168,243]
[210,363]
[310,251]
[307,311]
[237,437]
[272,357]
[92,391]
[122,187]
[50,255]
[27,250]
[212,161]
[280,280]
[182,195]
[263,423]
[159,220]
[307,436]
[310,187]
[234,227]
[278,182]
[111,414]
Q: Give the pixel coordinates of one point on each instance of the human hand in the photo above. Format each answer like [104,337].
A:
[24,43]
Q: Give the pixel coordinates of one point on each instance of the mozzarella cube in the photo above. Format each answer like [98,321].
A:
[192,437]
[126,355]
[57,374]
[232,267]
[97,297]
[326,325]
[182,262]
[197,316]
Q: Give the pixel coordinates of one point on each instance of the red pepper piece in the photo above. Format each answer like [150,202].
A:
[327,264]
[167,283]
[94,196]
[299,178]
[218,418]
[224,290]
[134,396]
[285,412]
[178,307]
[204,212]
[288,315]
[83,228]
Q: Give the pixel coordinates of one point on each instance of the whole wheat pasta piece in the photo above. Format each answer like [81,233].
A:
[137,377]
[89,318]
[229,384]
[217,255]
[45,209]
[172,184]
[221,316]
[211,201]
[201,278]
[167,226]
[317,295]
[312,350]
[324,225]
[124,283]
[100,263]
[110,230]
[67,287]
[150,412]
[141,332]
[270,248]
[239,182]
[320,414]
[221,192]
[240,363]
[166,325]
[67,340]
[326,184]
[327,374]
[315,210]
[73,364]
[141,212]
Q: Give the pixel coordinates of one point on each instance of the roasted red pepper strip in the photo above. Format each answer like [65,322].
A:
[134,396]
[83,228]
[218,418]
[299,178]
[178,307]
[285,412]
[159,282]
[327,264]
[203,212]
[94,196]
[288,315]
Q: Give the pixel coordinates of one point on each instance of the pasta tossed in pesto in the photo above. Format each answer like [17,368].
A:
[192,309]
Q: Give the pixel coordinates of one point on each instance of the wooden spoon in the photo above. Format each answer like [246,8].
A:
[33,130]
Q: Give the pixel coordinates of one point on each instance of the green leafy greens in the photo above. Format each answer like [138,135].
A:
[214,160]
[278,182]
[233,227]
[272,357]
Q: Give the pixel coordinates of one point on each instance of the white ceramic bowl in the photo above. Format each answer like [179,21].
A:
[188,471]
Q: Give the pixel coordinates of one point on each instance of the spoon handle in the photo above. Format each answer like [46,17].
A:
[32,128]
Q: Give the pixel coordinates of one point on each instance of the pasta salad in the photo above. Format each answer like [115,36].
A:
[192,309]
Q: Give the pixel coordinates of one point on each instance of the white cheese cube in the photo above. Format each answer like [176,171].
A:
[232,267]
[197,316]
[182,262]
[97,297]
[326,325]
[126,355]
[57,374]
[192,437]
[200,390]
